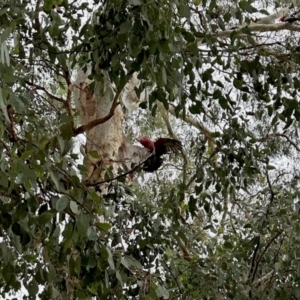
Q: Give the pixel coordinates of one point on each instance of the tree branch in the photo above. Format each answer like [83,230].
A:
[289,140]
[207,160]
[38,87]
[164,114]
[253,264]
[263,139]
[121,175]
[271,18]
[264,251]
[207,133]
[191,121]
[94,123]
[255,28]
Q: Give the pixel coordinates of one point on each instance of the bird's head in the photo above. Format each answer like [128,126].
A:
[282,19]
[146,142]
[142,139]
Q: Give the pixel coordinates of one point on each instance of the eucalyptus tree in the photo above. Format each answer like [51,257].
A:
[80,217]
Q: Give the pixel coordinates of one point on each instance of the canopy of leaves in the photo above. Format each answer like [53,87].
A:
[221,222]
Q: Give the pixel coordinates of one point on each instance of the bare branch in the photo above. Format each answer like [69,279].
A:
[263,279]
[94,123]
[191,121]
[165,117]
[121,175]
[263,139]
[207,133]
[289,140]
[271,18]
[38,87]
[255,28]
[264,251]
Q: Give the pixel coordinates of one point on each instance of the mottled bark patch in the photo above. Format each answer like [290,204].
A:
[90,102]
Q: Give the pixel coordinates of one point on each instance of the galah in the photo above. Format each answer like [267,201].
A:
[158,148]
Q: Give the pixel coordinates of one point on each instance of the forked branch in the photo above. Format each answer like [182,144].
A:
[94,123]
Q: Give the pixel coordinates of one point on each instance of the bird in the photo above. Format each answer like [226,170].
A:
[158,148]
[293,17]
[289,19]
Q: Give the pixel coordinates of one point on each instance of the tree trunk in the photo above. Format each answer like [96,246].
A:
[106,139]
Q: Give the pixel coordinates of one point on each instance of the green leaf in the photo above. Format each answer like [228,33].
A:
[164,75]
[46,217]
[3,179]
[32,288]
[94,154]
[110,259]
[82,223]
[103,226]
[4,253]
[228,245]
[3,11]
[52,273]
[74,207]
[7,73]
[92,234]
[212,5]
[184,10]
[5,34]
[161,291]
[62,203]
[128,261]
[125,27]
[245,5]
[55,178]
[206,76]
[189,37]
[152,47]
[21,211]
[8,272]
[164,45]
[3,106]
[119,277]
[66,132]
[81,295]
[227,16]
[65,145]
[135,2]
[6,220]
[223,102]
[251,40]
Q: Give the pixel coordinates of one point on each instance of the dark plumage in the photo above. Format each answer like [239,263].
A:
[161,147]
[289,19]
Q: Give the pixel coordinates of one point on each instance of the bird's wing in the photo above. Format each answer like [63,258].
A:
[166,145]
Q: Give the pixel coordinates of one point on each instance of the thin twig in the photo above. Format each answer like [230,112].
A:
[253,261]
[119,176]
[194,177]
[175,279]
[263,139]
[264,251]
[38,87]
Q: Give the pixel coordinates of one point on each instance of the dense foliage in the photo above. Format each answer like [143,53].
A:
[220,221]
